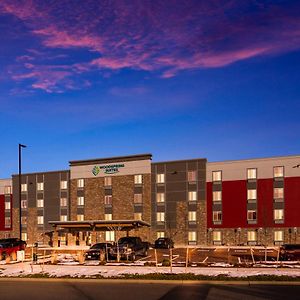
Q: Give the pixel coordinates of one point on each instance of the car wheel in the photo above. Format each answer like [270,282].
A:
[3,256]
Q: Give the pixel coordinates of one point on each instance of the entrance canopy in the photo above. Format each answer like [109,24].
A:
[100,225]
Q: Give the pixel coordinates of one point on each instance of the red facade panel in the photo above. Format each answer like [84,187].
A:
[234,204]
[2,212]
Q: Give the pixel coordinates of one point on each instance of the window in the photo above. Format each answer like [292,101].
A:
[251,173]
[160,197]
[192,196]
[108,200]
[80,183]
[64,218]
[217,196]
[138,198]
[251,194]
[216,176]
[217,216]
[7,222]
[7,190]
[23,203]
[109,236]
[278,172]
[63,202]
[160,217]
[40,220]
[251,215]
[7,205]
[23,220]
[40,202]
[278,214]
[160,178]
[80,217]
[138,216]
[24,236]
[24,187]
[278,193]
[192,177]
[40,186]
[138,179]
[278,236]
[80,201]
[192,216]
[63,184]
[108,217]
[217,237]
[107,181]
[192,236]
[160,234]
[252,236]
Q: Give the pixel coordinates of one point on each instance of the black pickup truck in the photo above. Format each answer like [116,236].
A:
[129,247]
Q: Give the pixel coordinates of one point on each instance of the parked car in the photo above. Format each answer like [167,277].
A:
[95,251]
[11,245]
[164,243]
[290,252]
[130,247]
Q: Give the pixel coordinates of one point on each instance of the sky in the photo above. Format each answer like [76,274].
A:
[87,79]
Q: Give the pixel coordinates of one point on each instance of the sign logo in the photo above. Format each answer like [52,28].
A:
[108,169]
[96,170]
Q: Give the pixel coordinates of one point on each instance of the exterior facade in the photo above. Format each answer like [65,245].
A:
[195,202]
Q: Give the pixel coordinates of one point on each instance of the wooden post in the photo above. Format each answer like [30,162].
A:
[266,253]
[186,259]
[155,255]
[171,260]
[251,250]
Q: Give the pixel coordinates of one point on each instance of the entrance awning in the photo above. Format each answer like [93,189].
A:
[100,225]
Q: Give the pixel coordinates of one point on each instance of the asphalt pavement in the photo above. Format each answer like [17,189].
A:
[63,289]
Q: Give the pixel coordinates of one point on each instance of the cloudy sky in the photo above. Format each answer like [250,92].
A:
[179,79]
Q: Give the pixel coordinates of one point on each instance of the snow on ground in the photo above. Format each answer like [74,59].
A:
[23,269]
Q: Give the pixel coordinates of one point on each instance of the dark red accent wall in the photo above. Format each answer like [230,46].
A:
[2,212]
[234,204]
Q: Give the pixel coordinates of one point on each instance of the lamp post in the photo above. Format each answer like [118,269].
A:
[20,172]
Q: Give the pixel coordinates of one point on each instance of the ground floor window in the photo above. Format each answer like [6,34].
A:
[110,236]
[160,234]
[192,237]
[278,236]
[24,236]
[217,237]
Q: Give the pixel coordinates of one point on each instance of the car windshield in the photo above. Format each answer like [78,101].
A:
[97,246]
[126,240]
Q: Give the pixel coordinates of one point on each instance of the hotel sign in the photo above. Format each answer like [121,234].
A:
[108,169]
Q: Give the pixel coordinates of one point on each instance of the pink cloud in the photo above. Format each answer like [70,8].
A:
[166,36]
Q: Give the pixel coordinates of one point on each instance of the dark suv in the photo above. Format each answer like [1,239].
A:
[290,252]
[95,251]
[10,245]
[164,243]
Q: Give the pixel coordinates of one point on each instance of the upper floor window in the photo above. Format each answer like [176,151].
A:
[40,202]
[138,198]
[160,197]
[40,186]
[108,199]
[64,184]
[23,220]
[7,205]
[7,190]
[278,172]
[192,176]
[107,181]
[24,187]
[278,193]
[7,222]
[24,204]
[63,202]
[80,183]
[160,178]
[160,217]
[24,236]
[192,196]
[40,220]
[217,216]
[192,216]
[251,194]
[251,173]
[217,196]
[251,215]
[63,218]
[216,176]
[80,201]
[278,214]
[138,179]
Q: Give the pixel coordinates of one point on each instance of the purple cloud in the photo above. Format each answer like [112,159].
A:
[162,36]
